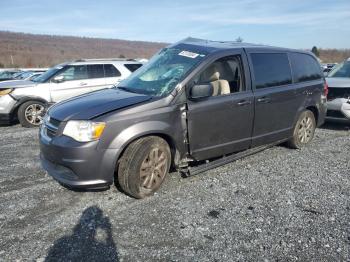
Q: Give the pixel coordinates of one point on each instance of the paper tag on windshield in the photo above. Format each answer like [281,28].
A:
[188,54]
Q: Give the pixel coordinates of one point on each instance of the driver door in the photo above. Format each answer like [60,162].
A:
[222,123]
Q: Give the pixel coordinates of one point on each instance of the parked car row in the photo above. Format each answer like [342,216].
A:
[17,74]
[27,100]
[8,75]
[328,67]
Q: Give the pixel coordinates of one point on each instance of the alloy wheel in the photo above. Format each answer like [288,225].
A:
[305,130]
[34,114]
[153,169]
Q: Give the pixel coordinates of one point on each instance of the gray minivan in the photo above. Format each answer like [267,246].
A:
[195,105]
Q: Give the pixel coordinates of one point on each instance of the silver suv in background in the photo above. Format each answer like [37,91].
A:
[28,101]
[338,104]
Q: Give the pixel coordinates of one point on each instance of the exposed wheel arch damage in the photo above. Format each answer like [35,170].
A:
[22,100]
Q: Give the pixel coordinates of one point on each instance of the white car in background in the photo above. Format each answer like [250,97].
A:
[28,101]
[338,105]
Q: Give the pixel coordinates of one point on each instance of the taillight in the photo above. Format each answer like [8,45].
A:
[325,89]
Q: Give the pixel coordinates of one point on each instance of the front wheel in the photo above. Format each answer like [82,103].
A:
[304,130]
[31,113]
[144,166]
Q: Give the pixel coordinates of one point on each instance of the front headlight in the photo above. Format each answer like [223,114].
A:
[5,91]
[84,131]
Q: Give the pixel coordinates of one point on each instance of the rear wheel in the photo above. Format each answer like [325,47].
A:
[304,130]
[31,113]
[144,166]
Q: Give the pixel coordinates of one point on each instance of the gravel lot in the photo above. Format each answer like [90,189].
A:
[277,205]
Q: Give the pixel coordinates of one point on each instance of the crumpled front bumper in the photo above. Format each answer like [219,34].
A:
[338,109]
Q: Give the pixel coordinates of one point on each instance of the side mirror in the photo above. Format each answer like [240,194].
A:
[58,79]
[201,91]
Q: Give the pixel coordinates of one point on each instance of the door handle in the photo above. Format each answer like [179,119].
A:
[264,99]
[244,102]
[83,84]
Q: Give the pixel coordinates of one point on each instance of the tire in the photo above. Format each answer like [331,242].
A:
[304,130]
[138,174]
[30,113]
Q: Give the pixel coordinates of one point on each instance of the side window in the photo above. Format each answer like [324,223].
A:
[95,71]
[75,72]
[305,67]
[225,75]
[111,71]
[132,67]
[271,69]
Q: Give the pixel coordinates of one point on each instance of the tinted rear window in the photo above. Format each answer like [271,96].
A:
[111,71]
[271,69]
[133,67]
[95,71]
[305,67]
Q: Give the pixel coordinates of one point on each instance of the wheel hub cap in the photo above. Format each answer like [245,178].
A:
[34,114]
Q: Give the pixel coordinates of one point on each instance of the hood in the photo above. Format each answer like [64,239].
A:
[338,82]
[94,104]
[16,84]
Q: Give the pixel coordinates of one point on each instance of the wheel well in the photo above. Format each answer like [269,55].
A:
[24,100]
[314,110]
[168,139]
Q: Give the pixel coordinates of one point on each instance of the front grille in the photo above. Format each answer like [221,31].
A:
[51,127]
[50,133]
[54,122]
[334,93]
[335,114]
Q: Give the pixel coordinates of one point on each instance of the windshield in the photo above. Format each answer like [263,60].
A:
[341,70]
[162,73]
[47,75]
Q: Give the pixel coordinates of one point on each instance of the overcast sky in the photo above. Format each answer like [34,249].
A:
[289,23]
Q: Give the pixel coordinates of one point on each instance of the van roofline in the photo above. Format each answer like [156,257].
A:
[216,46]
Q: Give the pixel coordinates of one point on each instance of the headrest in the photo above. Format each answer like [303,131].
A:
[212,74]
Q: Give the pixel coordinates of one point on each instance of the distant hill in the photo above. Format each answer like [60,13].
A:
[30,50]
[334,55]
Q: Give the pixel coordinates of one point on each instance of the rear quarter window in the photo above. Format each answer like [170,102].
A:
[111,71]
[271,69]
[95,71]
[305,67]
[132,67]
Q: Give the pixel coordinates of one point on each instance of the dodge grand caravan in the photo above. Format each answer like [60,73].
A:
[196,105]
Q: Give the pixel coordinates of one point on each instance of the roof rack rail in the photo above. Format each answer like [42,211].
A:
[103,59]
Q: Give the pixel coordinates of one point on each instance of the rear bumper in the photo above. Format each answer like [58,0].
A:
[77,165]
